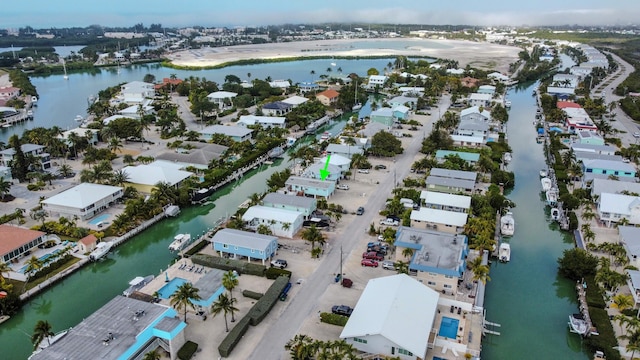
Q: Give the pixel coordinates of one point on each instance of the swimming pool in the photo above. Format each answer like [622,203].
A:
[449,327]
[169,288]
[44,257]
[98,219]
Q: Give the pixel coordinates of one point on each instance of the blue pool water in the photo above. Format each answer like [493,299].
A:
[169,288]
[43,259]
[98,219]
[449,327]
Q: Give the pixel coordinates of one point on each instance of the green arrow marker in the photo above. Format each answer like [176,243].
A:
[324,172]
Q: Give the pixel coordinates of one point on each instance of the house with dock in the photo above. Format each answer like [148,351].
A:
[608,167]
[236,133]
[437,219]
[194,154]
[281,222]
[224,99]
[344,150]
[84,201]
[629,237]
[328,97]
[145,177]
[302,204]
[615,209]
[470,158]
[438,259]
[37,151]
[445,201]
[264,121]
[136,92]
[16,241]
[477,99]
[310,187]
[451,181]
[238,243]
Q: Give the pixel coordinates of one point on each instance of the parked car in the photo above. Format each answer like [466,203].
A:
[342,310]
[381,251]
[363,171]
[369,263]
[388,265]
[360,211]
[380,167]
[317,222]
[279,263]
[389,222]
[342,187]
[393,217]
[379,243]
[636,134]
[372,255]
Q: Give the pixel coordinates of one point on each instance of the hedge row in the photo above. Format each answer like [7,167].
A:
[273,273]
[196,249]
[594,294]
[262,307]
[606,340]
[233,337]
[252,294]
[242,267]
[187,350]
[333,319]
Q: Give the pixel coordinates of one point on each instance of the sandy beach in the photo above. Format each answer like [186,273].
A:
[477,54]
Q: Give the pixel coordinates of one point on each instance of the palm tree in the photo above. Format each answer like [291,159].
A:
[184,296]
[633,343]
[152,355]
[407,252]
[4,269]
[301,347]
[41,331]
[65,170]
[312,235]
[313,72]
[120,177]
[623,301]
[115,144]
[164,192]
[481,273]
[230,281]
[402,267]
[224,305]
[5,188]
[33,265]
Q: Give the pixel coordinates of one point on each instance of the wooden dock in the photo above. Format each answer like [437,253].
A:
[584,308]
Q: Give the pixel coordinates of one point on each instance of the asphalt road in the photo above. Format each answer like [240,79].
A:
[304,303]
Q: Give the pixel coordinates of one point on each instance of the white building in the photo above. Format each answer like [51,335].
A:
[264,121]
[444,201]
[236,133]
[476,99]
[393,317]
[613,208]
[281,222]
[38,151]
[224,99]
[136,92]
[441,220]
[85,200]
[376,80]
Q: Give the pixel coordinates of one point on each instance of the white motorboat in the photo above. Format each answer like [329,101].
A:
[552,197]
[180,241]
[356,106]
[79,118]
[136,284]
[172,210]
[546,183]
[276,152]
[34,100]
[543,173]
[507,224]
[100,251]
[555,214]
[64,67]
[504,253]
[578,324]
[325,136]
[507,103]
[48,341]
[506,157]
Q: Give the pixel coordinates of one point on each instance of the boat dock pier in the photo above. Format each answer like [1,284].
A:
[584,307]
[22,116]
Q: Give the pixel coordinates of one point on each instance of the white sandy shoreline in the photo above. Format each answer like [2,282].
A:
[477,54]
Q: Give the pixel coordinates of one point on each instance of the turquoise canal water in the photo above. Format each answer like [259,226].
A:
[526,296]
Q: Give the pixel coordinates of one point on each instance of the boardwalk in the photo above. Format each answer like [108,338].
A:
[584,308]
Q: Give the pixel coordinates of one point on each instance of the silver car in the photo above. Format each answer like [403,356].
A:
[388,265]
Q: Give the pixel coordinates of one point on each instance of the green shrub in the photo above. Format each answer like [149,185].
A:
[217,262]
[333,319]
[262,307]
[606,340]
[194,250]
[187,350]
[233,337]
[273,273]
[594,293]
[573,221]
[252,294]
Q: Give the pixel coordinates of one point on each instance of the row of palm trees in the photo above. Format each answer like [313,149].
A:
[303,347]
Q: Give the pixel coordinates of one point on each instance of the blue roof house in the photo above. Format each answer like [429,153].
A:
[251,245]
[401,112]
[277,108]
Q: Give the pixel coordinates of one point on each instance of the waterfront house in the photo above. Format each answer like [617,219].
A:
[281,222]
[477,99]
[193,154]
[473,127]
[393,318]
[616,208]
[450,185]
[633,281]
[376,80]
[84,201]
[124,328]
[629,237]
[468,141]
[301,204]
[264,121]
[168,83]
[590,137]
[585,156]
[136,111]
[344,150]
[474,113]
[236,133]
[578,119]
[90,135]
[596,149]
[16,241]
[313,171]
[444,201]
[565,80]
[87,244]
[441,220]
[282,84]
[608,167]
[145,177]
[599,186]
[486,89]
[295,100]
[37,151]
[560,92]
[9,92]
[328,97]
[310,187]
[342,162]
[276,108]
[224,99]
[470,158]
[567,104]
[454,174]
[438,259]
[106,121]
[383,116]
[136,92]
[401,112]
[498,77]
[306,87]
[238,243]
[407,101]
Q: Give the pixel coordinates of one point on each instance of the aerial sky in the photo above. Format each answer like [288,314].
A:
[211,13]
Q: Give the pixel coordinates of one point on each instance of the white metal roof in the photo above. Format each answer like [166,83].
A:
[439,216]
[269,213]
[295,100]
[397,307]
[476,96]
[83,195]
[439,198]
[467,139]
[599,186]
[337,159]
[455,174]
[153,174]
[226,130]
[630,238]
[243,239]
[253,119]
[617,203]
[222,95]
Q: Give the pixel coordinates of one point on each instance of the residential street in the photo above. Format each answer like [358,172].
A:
[299,307]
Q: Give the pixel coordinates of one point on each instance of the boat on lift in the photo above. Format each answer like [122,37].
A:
[180,242]
[504,253]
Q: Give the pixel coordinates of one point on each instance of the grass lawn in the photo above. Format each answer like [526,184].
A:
[34,283]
